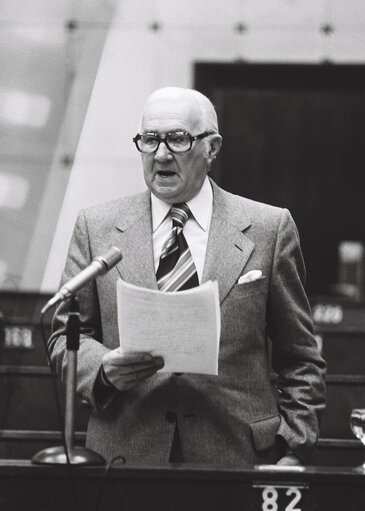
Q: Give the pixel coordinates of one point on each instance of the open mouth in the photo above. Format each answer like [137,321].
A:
[166,173]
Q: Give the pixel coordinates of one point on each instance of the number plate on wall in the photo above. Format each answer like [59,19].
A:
[18,337]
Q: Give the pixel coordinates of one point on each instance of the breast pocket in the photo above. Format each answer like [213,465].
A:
[241,291]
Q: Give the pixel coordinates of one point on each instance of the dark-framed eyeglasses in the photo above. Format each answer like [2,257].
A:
[176,141]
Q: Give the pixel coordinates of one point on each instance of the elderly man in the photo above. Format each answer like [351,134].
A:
[185,221]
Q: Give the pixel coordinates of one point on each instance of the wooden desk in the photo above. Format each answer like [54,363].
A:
[187,487]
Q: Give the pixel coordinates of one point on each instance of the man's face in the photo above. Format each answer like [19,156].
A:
[174,177]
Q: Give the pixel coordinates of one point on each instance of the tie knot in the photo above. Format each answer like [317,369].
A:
[179,214]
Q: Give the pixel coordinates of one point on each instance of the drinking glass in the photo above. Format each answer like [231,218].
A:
[357,422]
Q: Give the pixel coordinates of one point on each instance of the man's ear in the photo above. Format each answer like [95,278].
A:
[215,143]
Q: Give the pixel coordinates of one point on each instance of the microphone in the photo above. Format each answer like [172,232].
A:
[98,266]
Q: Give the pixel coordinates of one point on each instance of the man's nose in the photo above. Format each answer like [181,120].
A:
[162,153]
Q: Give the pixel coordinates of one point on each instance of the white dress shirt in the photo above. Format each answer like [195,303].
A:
[196,229]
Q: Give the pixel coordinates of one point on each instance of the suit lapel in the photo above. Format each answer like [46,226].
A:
[228,247]
[134,237]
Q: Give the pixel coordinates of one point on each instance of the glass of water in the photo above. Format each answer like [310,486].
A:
[357,422]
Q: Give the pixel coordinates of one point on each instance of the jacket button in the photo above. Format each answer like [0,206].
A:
[170,417]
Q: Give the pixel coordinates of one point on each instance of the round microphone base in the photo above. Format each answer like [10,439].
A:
[77,455]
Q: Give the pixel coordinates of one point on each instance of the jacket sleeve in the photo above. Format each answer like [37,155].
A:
[91,349]
[295,356]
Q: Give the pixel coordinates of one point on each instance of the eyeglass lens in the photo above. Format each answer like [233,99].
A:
[176,142]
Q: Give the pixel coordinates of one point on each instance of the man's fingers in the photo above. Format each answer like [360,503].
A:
[129,367]
[136,358]
[118,358]
[134,368]
[126,376]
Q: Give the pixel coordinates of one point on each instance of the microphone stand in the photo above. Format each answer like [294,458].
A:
[69,453]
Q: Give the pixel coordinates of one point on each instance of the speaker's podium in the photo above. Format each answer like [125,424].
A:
[180,488]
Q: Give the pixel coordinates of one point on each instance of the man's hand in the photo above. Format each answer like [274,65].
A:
[289,460]
[126,371]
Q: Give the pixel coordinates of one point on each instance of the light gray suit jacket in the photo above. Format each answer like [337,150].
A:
[241,415]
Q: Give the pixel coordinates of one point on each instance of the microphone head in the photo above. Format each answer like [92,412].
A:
[110,258]
[99,266]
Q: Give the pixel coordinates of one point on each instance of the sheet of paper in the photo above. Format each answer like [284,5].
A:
[182,327]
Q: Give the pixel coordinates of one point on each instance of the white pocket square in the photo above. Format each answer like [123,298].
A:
[250,276]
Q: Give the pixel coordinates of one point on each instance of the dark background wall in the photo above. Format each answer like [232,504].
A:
[293,137]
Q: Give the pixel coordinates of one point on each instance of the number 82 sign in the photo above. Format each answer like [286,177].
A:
[281,497]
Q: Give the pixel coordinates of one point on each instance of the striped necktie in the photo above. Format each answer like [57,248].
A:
[176,270]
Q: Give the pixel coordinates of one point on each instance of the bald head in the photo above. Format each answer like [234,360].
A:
[177,176]
[200,105]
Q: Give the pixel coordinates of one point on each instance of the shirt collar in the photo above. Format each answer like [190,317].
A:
[200,206]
